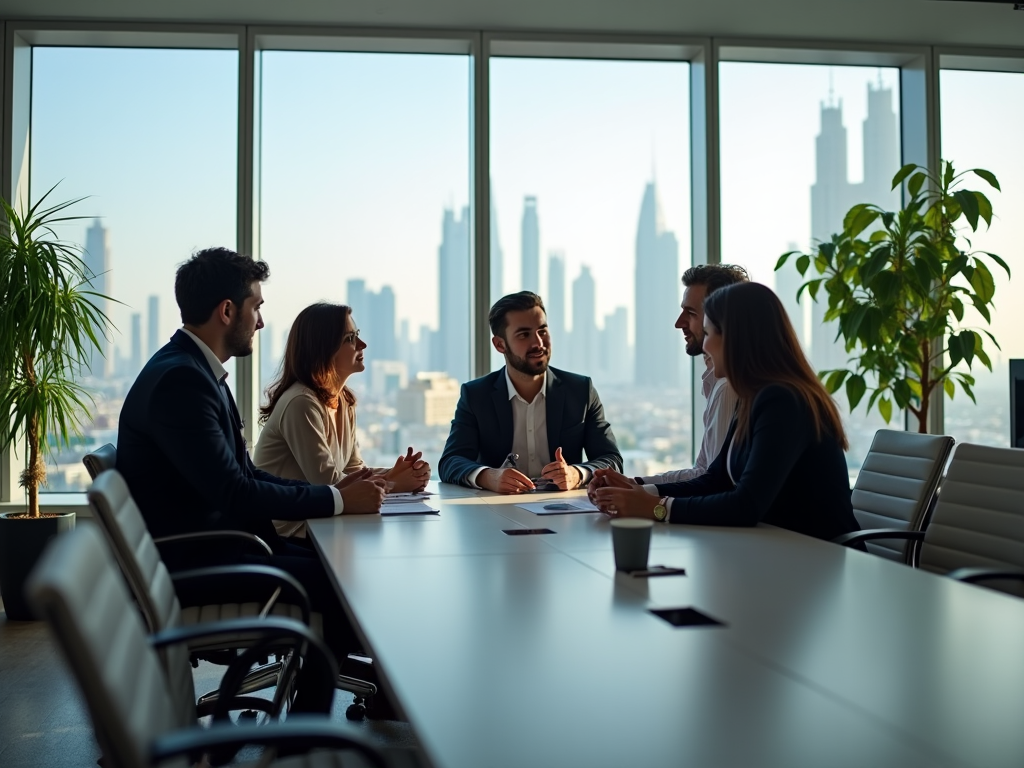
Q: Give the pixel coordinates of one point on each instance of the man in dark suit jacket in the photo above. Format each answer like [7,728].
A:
[181,451]
[543,417]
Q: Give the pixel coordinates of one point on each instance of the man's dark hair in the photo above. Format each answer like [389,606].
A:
[715,276]
[514,302]
[211,276]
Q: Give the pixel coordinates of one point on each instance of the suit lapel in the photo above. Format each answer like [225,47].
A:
[555,404]
[502,414]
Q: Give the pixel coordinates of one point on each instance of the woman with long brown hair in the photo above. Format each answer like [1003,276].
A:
[309,423]
[783,460]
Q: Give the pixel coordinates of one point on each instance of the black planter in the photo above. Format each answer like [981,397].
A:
[22,541]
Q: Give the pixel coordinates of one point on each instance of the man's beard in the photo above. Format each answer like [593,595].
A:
[527,366]
[238,342]
[695,347]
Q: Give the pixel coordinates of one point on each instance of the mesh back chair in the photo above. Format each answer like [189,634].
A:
[138,720]
[154,590]
[896,488]
[976,533]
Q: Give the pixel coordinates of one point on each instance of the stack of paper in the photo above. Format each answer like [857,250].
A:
[407,504]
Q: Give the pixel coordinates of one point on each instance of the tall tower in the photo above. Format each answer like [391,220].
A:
[153,326]
[657,288]
[530,246]
[584,328]
[554,301]
[497,256]
[359,302]
[97,264]
[831,198]
[613,353]
[881,149]
[382,321]
[453,339]
[135,362]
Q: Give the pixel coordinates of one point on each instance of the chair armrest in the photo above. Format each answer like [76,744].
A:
[849,539]
[256,575]
[319,670]
[255,543]
[977,575]
[297,734]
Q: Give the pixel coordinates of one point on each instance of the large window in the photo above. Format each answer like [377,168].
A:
[364,200]
[982,124]
[149,138]
[800,145]
[590,184]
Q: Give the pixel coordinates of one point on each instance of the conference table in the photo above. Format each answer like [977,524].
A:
[530,650]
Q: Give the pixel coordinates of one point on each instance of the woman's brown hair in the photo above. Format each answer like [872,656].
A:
[761,348]
[313,340]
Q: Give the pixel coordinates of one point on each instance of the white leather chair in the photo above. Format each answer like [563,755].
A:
[896,488]
[138,721]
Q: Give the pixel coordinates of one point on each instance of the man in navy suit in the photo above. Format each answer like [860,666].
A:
[527,421]
[181,451]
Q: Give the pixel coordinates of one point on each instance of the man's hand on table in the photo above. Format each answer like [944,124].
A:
[362,492]
[504,481]
[561,473]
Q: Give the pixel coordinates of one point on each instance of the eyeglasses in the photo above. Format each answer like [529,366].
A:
[350,338]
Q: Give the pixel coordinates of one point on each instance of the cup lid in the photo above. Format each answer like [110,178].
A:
[632,522]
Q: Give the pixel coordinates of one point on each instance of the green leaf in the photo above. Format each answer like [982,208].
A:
[957,309]
[886,287]
[915,183]
[955,351]
[967,346]
[901,391]
[802,263]
[835,380]
[987,176]
[984,207]
[858,219]
[855,389]
[969,206]
[905,171]
[998,261]
[982,282]
[885,408]
[950,388]
[783,259]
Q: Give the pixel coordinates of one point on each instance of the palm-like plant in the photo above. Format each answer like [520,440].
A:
[49,324]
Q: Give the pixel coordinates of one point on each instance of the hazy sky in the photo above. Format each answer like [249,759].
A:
[360,154]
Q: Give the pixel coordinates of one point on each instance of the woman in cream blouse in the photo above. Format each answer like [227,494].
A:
[309,425]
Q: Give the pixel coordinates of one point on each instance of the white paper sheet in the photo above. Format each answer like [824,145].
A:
[575,506]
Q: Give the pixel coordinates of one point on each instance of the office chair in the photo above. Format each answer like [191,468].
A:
[896,489]
[154,590]
[138,720]
[976,533]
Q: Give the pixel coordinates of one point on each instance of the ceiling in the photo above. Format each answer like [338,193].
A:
[944,22]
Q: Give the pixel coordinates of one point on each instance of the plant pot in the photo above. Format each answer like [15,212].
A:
[22,541]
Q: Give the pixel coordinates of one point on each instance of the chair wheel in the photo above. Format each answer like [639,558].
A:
[248,714]
[355,712]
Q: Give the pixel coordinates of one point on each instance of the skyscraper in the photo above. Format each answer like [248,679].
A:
[530,246]
[832,195]
[97,264]
[453,350]
[584,329]
[135,362]
[554,301]
[153,326]
[613,348]
[382,324]
[358,301]
[657,289]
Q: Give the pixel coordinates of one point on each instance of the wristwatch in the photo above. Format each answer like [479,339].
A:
[661,510]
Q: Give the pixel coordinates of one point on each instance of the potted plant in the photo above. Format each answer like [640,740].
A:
[901,293]
[49,324]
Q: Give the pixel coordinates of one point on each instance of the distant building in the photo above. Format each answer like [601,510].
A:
[452,351]
[97,264]
[388,377]
[153,341]
[135,361]
[582,351]
[429,400]
[658,345]
[530,246]
[614,353]
[497,256]
[554,300]
[832,195]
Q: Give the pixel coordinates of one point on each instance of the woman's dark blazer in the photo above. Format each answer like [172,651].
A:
[784,476]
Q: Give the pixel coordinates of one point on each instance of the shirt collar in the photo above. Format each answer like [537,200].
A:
[216,367]
[512,389]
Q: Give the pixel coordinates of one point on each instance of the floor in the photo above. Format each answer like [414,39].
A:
[43,719]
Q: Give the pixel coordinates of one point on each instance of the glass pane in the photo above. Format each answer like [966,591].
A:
[365,200]
[149,138]
[591,196]
[800,145]
[982,119]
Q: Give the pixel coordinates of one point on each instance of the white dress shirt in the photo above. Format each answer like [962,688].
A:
[718,413]
[220,373]
[529,434]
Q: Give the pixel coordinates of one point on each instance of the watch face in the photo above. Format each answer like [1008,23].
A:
[660,512]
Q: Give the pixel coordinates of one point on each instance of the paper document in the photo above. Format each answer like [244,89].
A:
[573,506]
[405,498]
[408,508]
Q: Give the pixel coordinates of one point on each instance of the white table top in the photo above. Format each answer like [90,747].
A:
[532,651]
